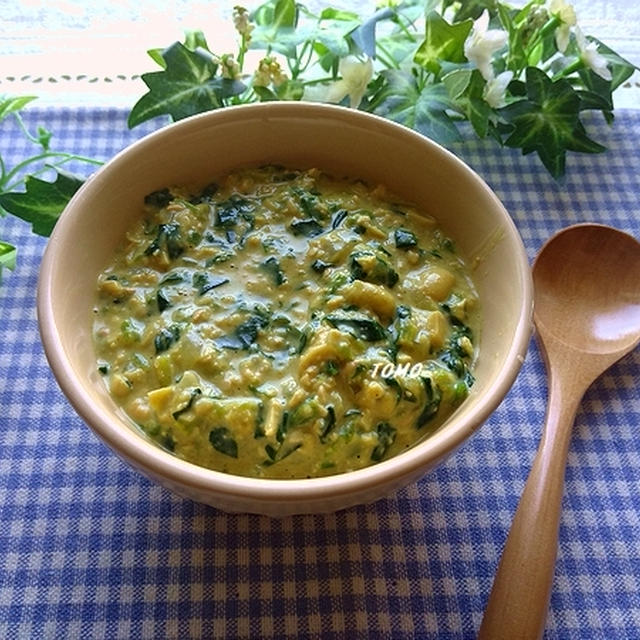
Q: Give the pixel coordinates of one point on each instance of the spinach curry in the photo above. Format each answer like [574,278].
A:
[285,324]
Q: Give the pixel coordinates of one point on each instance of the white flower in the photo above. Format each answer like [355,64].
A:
[356,75]
[241,22]
[495,89]
[269,71]
[482,43]
[229,66]
[565,12]
[590,56]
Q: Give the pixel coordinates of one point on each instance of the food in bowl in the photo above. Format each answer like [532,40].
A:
[286,323]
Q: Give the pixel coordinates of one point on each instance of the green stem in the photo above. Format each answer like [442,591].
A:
[549,26]
[405,27]
[309,83]
[386,58]
[65,157]
[576,65]
[26,132]
[242,49]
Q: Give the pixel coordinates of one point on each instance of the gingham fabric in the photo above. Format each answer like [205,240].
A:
[91,549]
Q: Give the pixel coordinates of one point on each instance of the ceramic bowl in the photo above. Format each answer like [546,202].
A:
[341,141]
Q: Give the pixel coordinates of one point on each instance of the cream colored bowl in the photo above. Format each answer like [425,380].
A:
[341,141]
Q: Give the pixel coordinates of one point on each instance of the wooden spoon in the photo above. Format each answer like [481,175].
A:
[587,315]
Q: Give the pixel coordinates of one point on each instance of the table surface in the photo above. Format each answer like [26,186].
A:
[91,549]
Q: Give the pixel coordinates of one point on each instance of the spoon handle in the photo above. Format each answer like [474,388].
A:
[517,606]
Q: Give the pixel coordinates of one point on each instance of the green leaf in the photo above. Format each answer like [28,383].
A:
[185,87]
[42,202]
[10,104]
[7,257]
[442,41]
[423,109]
[284,40]
[276,27]
[477,110]
[621,69]
[547,122]
[156,56]
[338,14]
[474,8]
[516,56]
[195,40]
[290,90]
[276,14]
[456,82]
[332,34]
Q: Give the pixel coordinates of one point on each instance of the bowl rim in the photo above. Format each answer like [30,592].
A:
[147,456]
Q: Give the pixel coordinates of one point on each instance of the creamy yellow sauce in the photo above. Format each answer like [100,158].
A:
[285,324]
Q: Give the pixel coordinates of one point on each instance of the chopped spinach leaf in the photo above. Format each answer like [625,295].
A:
[172,277]
[320,266]
[166,338]
[272,267]
[232,211]
[386,436]
[308,201]
[328,424]
[339,218]
[258,431]
[168,239]
[223,256]
[206,194]
[167,442]
[307,227]
[367,266]
[283,427]
[222,440]
[103,367]
[331,368]
[162,300]
[433,396]
[195,393]
[405,239]
[204,282]
[361,327]
[159,199]
[245,334]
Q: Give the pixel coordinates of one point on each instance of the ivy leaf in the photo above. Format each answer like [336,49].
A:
[423,109]
[621,69]
[7,257]
[547,122]
[442,41]
[330,35]
[276,14]
[276,28]
[42,202]
[13,104]
[474,8]
[478,111]
[185,87]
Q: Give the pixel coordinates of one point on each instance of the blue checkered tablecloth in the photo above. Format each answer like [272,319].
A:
[90,549]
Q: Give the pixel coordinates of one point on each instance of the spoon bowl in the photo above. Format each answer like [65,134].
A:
[587,315]
[590,302]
